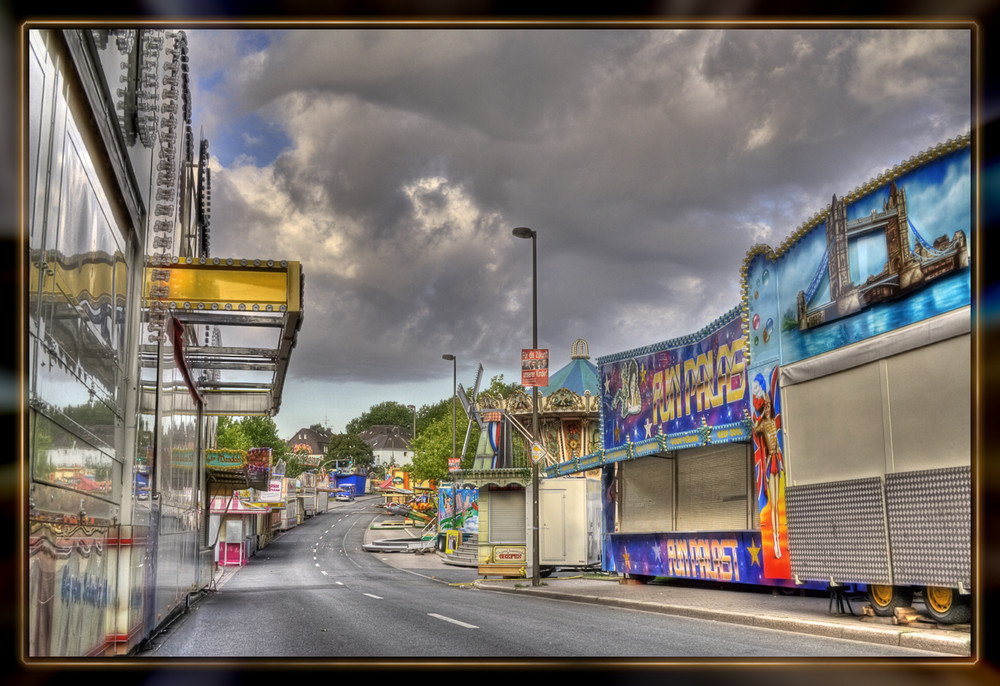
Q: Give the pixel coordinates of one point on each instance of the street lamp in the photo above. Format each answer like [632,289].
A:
[413,408]
[454,379]
[525,232]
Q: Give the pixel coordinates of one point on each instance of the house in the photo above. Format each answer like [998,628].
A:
[313,441]
[390,444]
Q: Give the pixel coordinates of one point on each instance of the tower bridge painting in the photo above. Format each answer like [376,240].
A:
[885,256]
[904,269]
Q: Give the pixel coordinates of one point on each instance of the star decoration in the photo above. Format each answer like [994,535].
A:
[754,550]
[649,429]
[627,560]
[642,375]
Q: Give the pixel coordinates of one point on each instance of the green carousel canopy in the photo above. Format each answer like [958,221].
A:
[579,376]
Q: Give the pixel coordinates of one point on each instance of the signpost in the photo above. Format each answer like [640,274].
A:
[538,452]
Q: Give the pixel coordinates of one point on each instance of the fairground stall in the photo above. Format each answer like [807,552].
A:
[859,358]
[237,521]
[235,524]
[678,475]
[126,314]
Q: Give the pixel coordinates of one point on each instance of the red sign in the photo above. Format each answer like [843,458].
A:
[534,367]
[453,463]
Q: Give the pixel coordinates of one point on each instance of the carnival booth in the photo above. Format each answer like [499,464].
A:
[291,516]
[323,492]
[307,480]
[859,340]
[236,521]
[677,463]
[790,442]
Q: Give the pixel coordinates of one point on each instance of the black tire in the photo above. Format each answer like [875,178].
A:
[885,599]
[545,572]
[946,606]
[642,578]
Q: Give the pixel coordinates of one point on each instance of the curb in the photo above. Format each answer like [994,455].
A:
[904,637]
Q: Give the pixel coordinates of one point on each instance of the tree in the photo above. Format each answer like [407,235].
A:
[388,413]
[255,431]
[432,449]
[348,447]
[498,388]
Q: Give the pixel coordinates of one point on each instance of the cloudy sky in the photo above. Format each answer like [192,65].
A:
[395,163]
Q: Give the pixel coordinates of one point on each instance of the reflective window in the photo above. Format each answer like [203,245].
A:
[60,458]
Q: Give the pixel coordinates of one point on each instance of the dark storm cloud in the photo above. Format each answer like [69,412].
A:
[649,161]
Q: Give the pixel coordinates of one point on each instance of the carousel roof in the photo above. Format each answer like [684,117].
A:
[579,376]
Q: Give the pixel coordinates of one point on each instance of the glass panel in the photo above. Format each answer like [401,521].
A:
[87,291]
[61,458]
[62,394]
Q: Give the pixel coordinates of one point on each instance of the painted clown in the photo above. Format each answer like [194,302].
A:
[769,462]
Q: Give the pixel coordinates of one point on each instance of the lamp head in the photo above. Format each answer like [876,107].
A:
[448,357]
[523,232]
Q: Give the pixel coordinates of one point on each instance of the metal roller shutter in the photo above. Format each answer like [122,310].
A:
[713,488]
[647,495]
[507,517]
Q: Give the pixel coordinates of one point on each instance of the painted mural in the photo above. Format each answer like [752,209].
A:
[769,472]
[458,509]
[897,255]
[729,556]
[679,389]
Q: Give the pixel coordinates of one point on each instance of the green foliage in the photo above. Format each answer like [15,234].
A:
[293,467]
[432,448]
[251,432]
[498,388]
[388,413]
[348,447]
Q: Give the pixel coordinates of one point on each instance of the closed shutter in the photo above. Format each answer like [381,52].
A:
[507,517]
[713,488]
[647,495]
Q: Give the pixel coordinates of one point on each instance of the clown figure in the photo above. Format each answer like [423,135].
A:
[770,463]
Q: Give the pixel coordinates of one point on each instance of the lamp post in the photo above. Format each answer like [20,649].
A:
[413,408]
[525,232]
[454,379]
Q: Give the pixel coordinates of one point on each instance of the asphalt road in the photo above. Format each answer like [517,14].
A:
[315,594]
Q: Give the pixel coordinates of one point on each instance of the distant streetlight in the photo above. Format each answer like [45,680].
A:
[525,232]
[413,408]
[454,385]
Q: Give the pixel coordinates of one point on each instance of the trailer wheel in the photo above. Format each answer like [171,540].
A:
[946,606]
[885,599]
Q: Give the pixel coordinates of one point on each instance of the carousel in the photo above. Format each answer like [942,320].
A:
[569,428]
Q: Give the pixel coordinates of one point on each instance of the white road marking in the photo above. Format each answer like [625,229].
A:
[373,596]
[453,621]
[339,583]
[324,573]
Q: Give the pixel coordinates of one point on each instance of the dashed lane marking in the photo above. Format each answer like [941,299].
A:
[453,621]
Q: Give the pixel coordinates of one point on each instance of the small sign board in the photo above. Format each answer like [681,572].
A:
[534,367]
[538,452]
[453,463]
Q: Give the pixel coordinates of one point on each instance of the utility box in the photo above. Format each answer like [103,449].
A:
[569,514]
